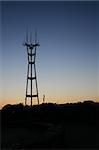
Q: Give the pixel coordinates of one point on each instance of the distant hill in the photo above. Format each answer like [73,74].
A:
[51,125]
[87,111]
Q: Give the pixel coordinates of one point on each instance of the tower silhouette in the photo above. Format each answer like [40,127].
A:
[31,70]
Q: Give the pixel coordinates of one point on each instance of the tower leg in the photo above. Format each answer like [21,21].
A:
[25,101]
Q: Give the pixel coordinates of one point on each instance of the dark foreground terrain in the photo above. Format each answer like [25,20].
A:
[50,126]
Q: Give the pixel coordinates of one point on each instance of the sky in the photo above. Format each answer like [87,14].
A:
[67,61]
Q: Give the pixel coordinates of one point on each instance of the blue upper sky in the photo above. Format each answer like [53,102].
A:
[67,59]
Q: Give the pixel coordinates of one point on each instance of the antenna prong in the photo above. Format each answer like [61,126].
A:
[31,38]
[35,36]
[27,35]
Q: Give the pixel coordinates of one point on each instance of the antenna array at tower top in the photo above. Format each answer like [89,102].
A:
[29,38]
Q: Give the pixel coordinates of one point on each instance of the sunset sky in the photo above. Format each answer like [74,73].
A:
[68,56]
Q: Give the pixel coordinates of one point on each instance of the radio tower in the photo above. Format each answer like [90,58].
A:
[31,70]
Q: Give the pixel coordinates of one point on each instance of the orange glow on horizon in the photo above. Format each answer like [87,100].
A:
[50,99]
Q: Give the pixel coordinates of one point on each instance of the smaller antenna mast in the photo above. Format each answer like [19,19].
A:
[43,98]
